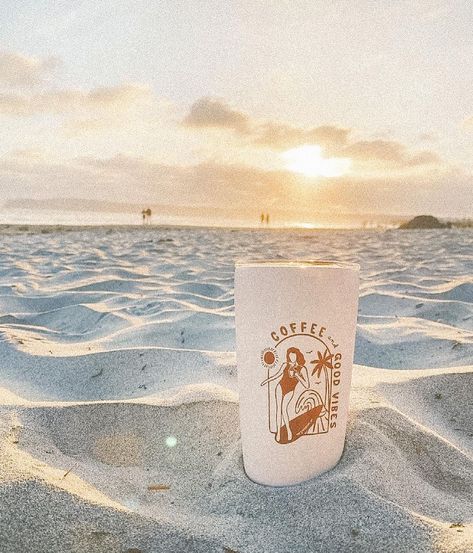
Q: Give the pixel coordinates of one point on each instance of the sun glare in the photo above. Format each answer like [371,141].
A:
[308,160]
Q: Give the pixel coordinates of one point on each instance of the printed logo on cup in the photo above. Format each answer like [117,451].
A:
[303,381]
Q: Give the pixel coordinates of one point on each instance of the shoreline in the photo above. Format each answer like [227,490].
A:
[39,228]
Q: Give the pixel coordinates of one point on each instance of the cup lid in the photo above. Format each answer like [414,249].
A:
[320,263]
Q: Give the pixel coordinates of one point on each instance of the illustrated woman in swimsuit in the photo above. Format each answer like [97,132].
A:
[292,371]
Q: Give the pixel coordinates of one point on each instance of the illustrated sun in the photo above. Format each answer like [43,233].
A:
[308,160]
[269,357]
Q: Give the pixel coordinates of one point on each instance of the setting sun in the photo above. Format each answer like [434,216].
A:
[308,160]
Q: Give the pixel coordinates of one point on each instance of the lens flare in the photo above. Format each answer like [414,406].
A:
[171,441]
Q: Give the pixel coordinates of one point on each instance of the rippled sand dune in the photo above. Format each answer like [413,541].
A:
[119,407]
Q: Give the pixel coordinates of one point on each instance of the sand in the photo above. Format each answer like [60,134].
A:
[119,406]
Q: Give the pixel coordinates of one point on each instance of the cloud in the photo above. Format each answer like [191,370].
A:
[241,188]
[118,98]
[205,184]
[445,193]
[425,157]
[389,152]
[26,154]
[19,75]
[17,70]
[334,140]
[14,104]
[135,179]
[283,136]
[78,127]
[428,137]
[213,113]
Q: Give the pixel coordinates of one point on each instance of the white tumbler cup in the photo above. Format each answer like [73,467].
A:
[295,337]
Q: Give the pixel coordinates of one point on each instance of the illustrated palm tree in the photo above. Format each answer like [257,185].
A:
[148,215]
[324,362]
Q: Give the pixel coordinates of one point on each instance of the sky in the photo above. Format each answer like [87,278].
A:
[299,108]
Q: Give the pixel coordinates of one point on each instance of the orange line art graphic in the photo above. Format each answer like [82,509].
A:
[299,392]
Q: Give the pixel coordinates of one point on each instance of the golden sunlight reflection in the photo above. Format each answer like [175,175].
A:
[308,160]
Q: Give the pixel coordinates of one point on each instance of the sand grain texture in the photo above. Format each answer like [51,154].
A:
[119,406]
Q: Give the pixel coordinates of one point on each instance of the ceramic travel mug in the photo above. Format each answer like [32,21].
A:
[295,336]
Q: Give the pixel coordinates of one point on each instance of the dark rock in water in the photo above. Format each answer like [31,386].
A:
[424,222]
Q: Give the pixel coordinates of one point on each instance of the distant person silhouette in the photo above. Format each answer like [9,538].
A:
[146,214]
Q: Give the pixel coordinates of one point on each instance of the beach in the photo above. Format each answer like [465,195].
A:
[119,403]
